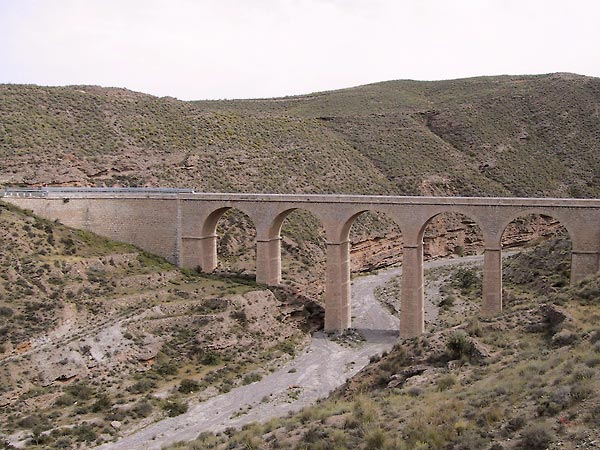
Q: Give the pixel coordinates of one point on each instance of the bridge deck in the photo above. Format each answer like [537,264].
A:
[191,194]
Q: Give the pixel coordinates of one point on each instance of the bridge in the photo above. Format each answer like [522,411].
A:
[180,225]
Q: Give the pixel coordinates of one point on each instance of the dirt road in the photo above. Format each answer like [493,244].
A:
[324,366]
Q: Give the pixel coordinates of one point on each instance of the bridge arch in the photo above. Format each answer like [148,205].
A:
[548,226]
[198,247]
[268,251]
[412,320]
[236,242]
[382,234]
[303,249]
[563,217]
[339,225]
[464,244]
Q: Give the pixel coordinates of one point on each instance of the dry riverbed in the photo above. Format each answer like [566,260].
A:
[324,365]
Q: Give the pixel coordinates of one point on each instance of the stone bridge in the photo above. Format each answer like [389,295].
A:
[180,225]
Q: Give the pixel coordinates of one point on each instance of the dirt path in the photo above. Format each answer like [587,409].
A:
[324,366]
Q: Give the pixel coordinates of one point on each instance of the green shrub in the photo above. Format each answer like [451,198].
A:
[142,386]
[210,358]
[103,403]
[142,409]
[84,433]
[252,378]
[445,382]
[187,386]
[81,391]
[459,345]
[375,439]
[174,407]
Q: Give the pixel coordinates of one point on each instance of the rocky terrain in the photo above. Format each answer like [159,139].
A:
[527,379]
[97,336]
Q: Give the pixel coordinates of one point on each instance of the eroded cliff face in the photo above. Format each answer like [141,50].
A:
[446,236]
[376,252]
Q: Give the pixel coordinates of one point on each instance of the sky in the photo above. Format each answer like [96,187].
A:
[224,49]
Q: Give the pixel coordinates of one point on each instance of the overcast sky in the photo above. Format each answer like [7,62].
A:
[209,49]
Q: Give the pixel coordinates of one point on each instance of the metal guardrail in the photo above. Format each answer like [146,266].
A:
[192,194]
[45,191]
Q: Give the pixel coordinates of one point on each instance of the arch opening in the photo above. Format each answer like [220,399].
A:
[236,242]
[303,251]
[543,262]
[376,242]
[453,246]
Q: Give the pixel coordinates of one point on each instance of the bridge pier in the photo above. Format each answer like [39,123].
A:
[268,261]
[492,281]
[412,309]
[583,264]
[199,252]
[208,253]
[337,287]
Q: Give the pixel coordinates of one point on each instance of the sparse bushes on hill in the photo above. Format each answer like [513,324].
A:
[536,437]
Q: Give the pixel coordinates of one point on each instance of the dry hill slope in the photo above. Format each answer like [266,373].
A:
[93,331]
[527,136]
[509,135]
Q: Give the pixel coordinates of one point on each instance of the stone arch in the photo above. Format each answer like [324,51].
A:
[274,225]
[199,239]
[339,258]
[464,243]
[557,270]
[381,229]
[270,223]
[561,217]
[303,238]
[474,220]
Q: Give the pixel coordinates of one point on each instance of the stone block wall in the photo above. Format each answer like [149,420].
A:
[148,223]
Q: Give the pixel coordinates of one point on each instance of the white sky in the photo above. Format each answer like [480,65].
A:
[209,49]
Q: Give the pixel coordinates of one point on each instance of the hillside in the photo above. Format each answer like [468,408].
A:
[90,328]
[521,136]
[98,338]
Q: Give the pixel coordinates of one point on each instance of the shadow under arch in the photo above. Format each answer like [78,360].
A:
[545,263]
